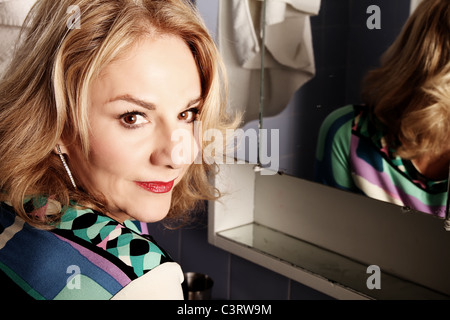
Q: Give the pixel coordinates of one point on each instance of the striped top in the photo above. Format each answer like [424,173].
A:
[87,256]
[352,155]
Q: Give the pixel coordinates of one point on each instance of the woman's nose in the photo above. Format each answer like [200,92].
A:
[175,148]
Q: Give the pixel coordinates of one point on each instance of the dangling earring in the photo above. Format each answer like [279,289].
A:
[66,166]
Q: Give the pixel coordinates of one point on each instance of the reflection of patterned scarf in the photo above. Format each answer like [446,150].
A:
[108,254]
[352,154]
[363,128]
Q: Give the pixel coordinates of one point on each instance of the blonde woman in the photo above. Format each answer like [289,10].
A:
[396,148]
[88,111]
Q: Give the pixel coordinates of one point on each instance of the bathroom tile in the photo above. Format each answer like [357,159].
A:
[318,45]
[317,20]
[335,12]
[396,14]
[167,239]
[197,255]
[358,11]
[335,46]
[253,282]
[190,248]
[333,87]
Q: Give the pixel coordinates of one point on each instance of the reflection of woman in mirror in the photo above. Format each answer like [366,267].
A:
[396,146]
[87,114]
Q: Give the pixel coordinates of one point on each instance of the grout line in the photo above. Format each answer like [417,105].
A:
[179,246]
[289,291]
[229,277]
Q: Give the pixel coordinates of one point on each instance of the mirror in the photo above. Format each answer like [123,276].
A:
[348,38]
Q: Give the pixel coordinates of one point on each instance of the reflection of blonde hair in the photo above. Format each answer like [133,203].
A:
[410,92]
[44,93]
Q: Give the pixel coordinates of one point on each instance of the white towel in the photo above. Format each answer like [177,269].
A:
[12,16]
[289,58]
[14,12]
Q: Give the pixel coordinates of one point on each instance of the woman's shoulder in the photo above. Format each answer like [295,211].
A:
[47,266]
[354,119]
[87,256]
[153,273]
[338,123]
[345,112]
[342,117]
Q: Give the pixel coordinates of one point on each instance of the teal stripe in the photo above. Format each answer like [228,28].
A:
[326,125]
[86,289]
[20,282]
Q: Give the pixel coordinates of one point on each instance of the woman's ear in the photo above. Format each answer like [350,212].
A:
[60,148]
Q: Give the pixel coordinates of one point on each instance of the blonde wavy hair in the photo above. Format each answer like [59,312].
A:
[410,92]
[44,92]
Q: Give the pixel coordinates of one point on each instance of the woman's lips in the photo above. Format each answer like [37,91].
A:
[156,186]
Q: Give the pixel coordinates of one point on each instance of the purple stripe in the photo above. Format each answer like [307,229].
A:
[384,181]
[103,263]
[417,204]
[144,228]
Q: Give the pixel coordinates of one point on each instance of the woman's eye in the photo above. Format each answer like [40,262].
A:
[188,115]
[133,119]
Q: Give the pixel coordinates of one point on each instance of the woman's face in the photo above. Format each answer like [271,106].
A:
[136,105]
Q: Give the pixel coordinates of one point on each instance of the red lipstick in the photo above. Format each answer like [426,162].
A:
[156,186]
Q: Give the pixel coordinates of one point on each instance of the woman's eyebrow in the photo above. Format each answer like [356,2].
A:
[194,102]
[148,105]
[134,100]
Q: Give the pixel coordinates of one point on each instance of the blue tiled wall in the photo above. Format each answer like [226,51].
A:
[344,50]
